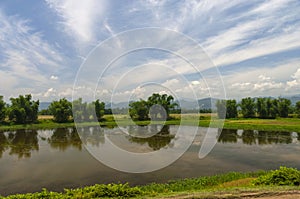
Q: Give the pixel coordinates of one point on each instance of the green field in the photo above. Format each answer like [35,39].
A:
[203,120]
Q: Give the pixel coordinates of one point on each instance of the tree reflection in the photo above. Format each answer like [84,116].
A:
[62,138]
[92,135]
[23,142]
[161,139]
[3,143]
[249,137]
[228,135]
[278,137]
[256,137]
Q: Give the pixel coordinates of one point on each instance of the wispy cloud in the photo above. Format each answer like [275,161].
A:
[26,57]
[80,19]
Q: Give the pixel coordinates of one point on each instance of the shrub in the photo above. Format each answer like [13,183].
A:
[282,176]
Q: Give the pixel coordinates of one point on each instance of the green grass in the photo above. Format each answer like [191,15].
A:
[232,184]
[203,120]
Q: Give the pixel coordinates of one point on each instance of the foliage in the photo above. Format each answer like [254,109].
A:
[157,106]
[261,105]
[231,109]
[96,191]
[81,110]
[221,108]
[23,110]
[298,108]
[283,107]
[160,105]
[84,112]
[248,107]
[126,191]
[2,109]
[100,109]
[281,176]
[139,110]
[61,110]
[192,184]
[272,107]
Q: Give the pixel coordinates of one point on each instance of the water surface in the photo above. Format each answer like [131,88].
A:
[55,159]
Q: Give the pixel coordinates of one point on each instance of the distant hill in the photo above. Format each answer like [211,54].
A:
[205,103]
[294,99]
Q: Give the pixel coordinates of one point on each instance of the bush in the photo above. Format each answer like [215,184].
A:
[101,190]
[282,176]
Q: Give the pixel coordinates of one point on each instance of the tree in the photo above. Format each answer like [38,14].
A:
[298,108]
[248,107]
[221,108]
[61,110]
[283,107]
[2,109]
[23,110]
[272,107]
[100,109]
[80,112]
[160,106]
[139,110]
[261,106]
[231,109]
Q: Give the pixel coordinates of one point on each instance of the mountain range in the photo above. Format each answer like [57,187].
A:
[205,103]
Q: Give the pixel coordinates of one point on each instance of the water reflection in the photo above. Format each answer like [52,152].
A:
[251,137]
[161,139]
[23,142]
[63,138]
[20,143]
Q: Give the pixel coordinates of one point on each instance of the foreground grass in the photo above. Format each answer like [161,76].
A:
[230,185]
[203,120]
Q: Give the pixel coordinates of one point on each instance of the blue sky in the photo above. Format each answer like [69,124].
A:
[255,45]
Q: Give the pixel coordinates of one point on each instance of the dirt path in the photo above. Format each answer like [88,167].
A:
[293,194]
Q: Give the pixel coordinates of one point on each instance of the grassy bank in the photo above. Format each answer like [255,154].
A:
[231,184]
[203,120]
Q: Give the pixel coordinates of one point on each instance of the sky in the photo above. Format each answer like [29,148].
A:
[55,48]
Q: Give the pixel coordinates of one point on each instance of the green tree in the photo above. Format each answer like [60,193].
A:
[2,109]
[100,109]
[139,110]
[160,105]
[221,108]
[231,109]
[80,112]
[248,107]
[283,107]
[298,108]
[272,107]
[261,105]
[61,110]
[23,110]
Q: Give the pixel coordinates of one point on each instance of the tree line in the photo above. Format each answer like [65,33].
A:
[156,107]
[24,110]
[265,108]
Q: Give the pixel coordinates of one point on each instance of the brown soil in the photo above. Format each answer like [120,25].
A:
[293,194]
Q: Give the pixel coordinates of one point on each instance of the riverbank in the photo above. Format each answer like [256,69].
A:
[229,185]
[203,120]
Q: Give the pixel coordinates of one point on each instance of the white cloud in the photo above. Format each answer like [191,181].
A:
[80,19]
[50,92]
[295,83]
[297,74]
[53,77]
[279,81]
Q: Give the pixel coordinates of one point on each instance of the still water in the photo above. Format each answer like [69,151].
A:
[55,159]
